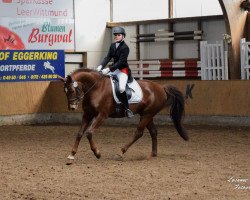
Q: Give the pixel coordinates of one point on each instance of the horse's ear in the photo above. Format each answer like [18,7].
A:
[69,78]
[61,78]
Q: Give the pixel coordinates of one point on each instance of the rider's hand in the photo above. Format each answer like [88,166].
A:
[106,71]
[99,68]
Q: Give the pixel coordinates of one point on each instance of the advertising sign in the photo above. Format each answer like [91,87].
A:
[29,65]
[37,8]
[36,33]
[37,24]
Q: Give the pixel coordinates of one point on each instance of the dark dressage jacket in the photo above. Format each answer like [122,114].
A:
[120,56]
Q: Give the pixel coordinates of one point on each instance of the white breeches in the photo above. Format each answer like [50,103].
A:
[123,79]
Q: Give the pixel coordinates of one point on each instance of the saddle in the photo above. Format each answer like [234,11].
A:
[128,90]
[133,90]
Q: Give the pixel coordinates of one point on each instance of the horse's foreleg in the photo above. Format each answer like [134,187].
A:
[94,125]
[153,133]
[85,123]
[138,134]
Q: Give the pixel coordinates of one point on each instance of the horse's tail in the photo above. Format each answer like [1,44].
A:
[176,99]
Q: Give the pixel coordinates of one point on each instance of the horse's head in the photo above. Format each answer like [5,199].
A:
[73,92]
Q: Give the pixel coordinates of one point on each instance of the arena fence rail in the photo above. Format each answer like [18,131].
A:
[167,36]
[188,68]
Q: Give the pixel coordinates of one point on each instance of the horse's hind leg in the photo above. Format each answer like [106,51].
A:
[153,133]
[85,123]
[139,132]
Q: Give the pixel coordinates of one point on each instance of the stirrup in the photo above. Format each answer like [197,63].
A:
[129,113]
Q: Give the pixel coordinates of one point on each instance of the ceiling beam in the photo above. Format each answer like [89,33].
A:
[169,20]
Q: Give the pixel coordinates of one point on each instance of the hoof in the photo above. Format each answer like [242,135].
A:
[98,155]
[70,160]
[123,150]
[152,155]
[118,157]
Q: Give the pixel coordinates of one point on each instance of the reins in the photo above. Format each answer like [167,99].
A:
[84,93]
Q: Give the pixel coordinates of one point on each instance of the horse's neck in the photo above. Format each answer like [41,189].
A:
[87,79]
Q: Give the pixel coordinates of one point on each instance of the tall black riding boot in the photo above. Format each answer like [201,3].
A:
[124,100]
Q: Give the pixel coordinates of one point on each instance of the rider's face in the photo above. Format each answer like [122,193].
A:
[118,37]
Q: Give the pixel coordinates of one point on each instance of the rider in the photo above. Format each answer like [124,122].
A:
[119,52]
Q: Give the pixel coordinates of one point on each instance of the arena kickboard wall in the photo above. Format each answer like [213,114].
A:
[205,98]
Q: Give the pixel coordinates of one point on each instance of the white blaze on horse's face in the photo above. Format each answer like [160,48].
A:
[72,95]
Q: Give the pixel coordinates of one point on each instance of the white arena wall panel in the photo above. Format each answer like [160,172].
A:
[93,37]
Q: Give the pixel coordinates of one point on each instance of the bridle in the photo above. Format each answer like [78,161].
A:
[78,98]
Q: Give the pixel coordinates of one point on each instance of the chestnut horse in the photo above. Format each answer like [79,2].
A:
[98,104]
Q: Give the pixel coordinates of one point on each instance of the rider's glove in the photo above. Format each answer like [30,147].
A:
[106,71]
[99,68]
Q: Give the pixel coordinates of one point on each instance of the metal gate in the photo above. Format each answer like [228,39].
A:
[245,59]
[214,61]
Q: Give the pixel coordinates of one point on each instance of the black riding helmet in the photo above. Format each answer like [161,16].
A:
[119,30]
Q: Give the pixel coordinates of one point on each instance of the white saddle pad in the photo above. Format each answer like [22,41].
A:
[136,92]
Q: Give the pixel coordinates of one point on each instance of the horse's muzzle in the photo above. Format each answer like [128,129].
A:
[73,106]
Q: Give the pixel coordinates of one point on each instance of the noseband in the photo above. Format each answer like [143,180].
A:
[79,91]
